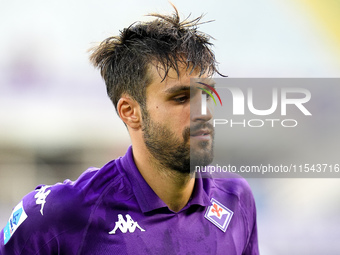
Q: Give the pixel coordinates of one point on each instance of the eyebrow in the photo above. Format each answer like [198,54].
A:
[177,89]
[182,88]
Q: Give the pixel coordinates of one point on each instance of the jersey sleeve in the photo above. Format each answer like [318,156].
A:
[49,220]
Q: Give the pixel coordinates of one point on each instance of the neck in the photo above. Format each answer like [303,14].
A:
[173,188]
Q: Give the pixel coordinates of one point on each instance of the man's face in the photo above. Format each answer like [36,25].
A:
[177,136]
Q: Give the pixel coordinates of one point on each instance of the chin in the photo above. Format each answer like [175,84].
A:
[201,146]
[202,156]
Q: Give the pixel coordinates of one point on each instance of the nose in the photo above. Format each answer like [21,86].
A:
[201,109]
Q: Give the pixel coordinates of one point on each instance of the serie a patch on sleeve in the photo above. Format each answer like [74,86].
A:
[18,216]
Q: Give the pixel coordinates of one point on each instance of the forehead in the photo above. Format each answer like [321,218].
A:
[182,78]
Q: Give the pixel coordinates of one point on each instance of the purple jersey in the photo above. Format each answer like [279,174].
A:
[113,210]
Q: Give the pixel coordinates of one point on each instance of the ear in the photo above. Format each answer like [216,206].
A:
[129,111]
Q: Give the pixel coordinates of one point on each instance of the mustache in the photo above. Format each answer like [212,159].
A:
[206,125]
[194,128]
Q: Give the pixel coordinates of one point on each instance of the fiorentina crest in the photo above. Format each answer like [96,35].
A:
[219,215]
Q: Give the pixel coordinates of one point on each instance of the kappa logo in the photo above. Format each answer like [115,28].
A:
[41,196]
[18,216]
[219,215]
[124,226]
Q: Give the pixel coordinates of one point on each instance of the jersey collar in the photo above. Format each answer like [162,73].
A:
[147,198]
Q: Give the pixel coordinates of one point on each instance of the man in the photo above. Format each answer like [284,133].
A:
[146,202]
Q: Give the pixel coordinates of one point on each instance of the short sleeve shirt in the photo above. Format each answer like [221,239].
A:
[112,210]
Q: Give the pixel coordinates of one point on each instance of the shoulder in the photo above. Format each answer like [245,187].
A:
[40,218]
[54,212]
[71,200]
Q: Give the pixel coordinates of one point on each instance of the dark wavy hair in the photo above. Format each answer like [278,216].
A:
[124,60]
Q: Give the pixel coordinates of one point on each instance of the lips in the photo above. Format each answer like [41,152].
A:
[201,132]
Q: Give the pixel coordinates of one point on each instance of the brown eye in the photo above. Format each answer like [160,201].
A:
[181,99]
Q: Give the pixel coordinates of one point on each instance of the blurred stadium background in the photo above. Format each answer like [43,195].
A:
[56,120]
